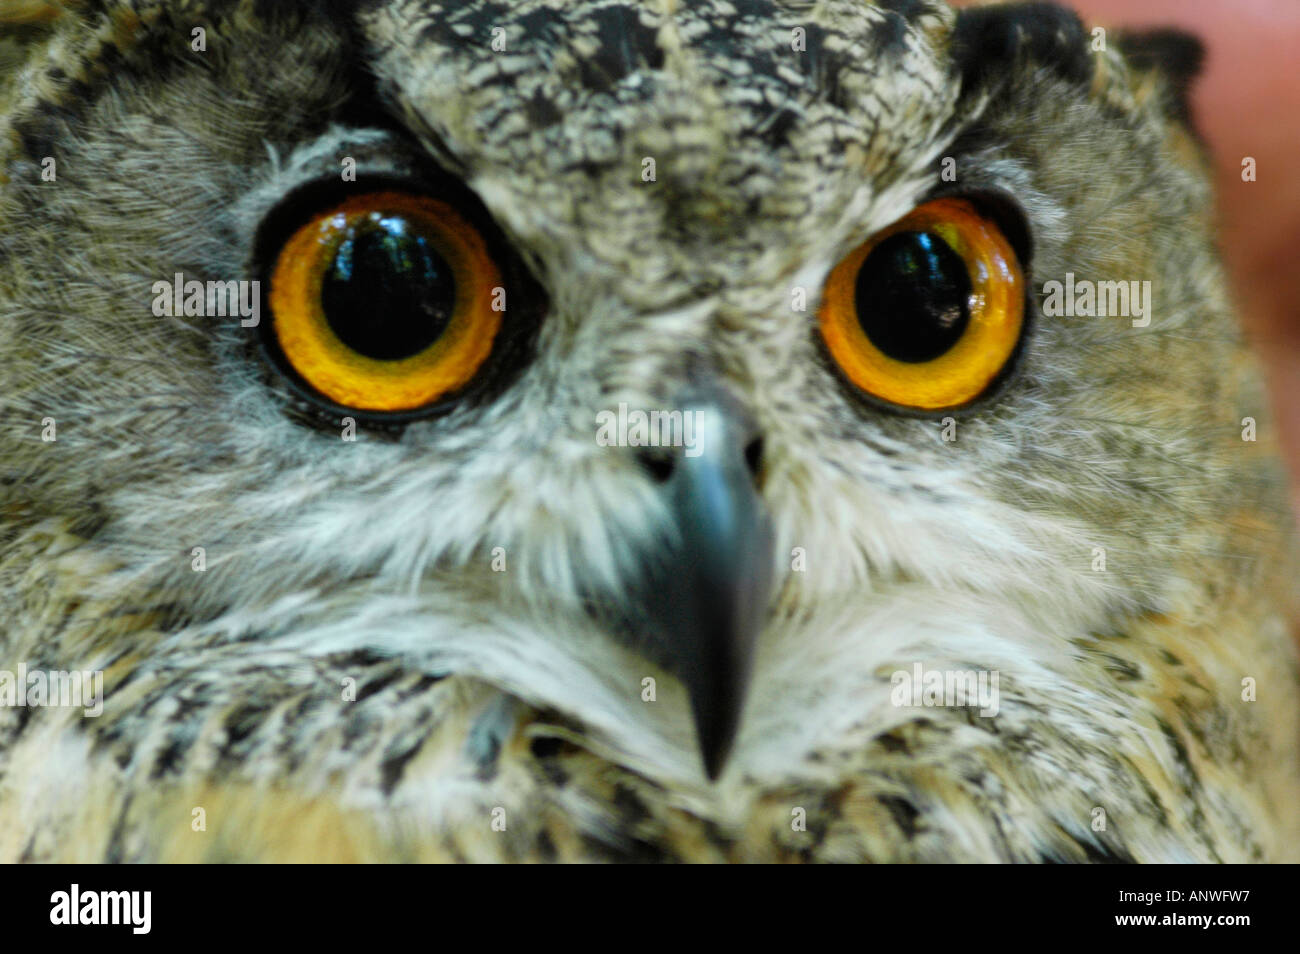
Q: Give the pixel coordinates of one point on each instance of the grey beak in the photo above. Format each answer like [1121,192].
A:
[708,585]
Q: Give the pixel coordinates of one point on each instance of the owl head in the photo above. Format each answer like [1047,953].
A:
[680,370]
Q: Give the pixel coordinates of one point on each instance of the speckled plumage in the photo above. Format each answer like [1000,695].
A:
[477,690]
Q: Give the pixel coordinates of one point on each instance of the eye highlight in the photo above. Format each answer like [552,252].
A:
[927,313]
[385,302]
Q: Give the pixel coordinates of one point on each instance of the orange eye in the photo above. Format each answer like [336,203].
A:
[386,302]
[928,312]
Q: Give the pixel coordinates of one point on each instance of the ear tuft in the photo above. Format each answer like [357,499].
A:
[1175,55]
[992,41]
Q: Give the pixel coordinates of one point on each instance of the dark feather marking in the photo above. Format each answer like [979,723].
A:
[903,812]
[395,761]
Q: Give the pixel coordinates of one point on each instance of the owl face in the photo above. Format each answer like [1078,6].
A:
[589,205]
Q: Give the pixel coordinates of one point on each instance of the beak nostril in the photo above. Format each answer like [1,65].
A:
[658,462]
[754,455]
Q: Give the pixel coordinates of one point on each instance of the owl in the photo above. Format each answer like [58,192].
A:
[627,430]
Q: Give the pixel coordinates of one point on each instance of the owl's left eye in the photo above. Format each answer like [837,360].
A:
[386,302]
[928,312]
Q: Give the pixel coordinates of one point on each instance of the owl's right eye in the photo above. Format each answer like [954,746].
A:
[386,302]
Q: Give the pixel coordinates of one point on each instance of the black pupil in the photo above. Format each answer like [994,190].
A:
[388,294]
[913,296]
